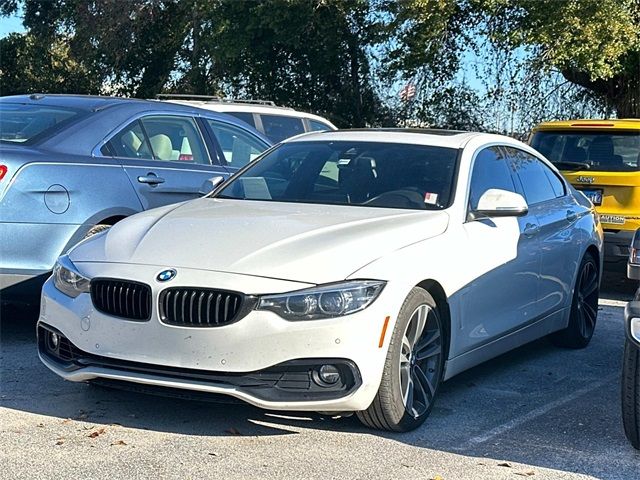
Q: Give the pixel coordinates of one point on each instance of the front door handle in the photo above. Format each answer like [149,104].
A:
[571,216]
[531,229]
[150,179]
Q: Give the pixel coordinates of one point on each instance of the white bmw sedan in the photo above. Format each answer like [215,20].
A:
[348,271]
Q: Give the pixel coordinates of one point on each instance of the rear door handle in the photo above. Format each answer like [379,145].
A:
[571,216]
[531,229]
[150,179]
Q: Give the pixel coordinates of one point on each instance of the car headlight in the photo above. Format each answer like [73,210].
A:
[325,301]
[67,279]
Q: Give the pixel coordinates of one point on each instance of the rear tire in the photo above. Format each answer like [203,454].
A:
[584,307]
[413,367]
[631,393]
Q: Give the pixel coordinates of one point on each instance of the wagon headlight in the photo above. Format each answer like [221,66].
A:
[326,301]
[67,279]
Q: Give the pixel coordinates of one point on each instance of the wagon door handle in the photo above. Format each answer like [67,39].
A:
[531,229]
[150,179]
[571,216]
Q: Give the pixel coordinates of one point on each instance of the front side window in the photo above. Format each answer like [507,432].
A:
[279,127]
[590,150]
[491,169]
[533,175]
[27,123]
[371,174]
[238,146]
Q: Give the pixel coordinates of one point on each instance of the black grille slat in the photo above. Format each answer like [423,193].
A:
[121,298]
[199,307]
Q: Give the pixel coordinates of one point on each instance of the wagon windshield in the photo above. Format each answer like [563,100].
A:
[27,123]
[374,174]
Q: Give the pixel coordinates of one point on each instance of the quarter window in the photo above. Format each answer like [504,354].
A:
[539,183]
[238,146]
[318,126]
[246,117]
[490,170]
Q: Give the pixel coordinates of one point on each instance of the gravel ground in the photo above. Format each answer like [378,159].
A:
[538,412]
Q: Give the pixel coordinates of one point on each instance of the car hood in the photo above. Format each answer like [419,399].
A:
[302,242]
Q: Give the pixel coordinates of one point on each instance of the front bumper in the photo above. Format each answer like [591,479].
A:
[215,359]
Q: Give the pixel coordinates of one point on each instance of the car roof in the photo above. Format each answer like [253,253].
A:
[591,124]
[94,103]
[433,137]
[223,107]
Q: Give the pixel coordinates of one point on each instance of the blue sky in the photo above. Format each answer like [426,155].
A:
[9,25]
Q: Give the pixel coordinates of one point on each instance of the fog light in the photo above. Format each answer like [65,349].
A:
[54,341]
[329,374]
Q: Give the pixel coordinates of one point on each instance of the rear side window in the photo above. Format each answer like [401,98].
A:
[175,138]
[318,126]
[490,170]
[163,138]
[279,127]
[130,142]
[246,117]
[539,183]
[27,123]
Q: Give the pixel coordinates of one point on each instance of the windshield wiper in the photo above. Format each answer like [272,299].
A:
[572,165]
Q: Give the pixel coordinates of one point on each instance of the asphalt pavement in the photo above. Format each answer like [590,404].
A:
[538,412]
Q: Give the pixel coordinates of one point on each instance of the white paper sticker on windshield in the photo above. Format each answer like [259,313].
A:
[431,198]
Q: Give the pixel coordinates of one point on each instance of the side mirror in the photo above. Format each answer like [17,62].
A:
[210,184]
[500,203]
[633,264]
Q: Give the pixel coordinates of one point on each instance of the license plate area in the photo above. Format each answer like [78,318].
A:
[593,194]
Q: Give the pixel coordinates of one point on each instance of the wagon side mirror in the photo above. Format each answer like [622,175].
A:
[210,184]
[633,264]
[500,203]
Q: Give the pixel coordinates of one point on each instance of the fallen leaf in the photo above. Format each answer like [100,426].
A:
[213,454]
[119,442]
[504,464]
[437,477]
[527,473]
[40,425]
[60,440]
[96,433]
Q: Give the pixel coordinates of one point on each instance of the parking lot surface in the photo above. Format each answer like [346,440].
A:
[538,412]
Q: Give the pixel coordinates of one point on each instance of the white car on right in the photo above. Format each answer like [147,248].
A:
[275,122]
[348,271]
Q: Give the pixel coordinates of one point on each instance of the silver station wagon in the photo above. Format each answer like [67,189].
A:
[71,165]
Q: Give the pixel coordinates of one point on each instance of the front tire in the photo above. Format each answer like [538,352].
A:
[584,307]
[631,393]
[413,367]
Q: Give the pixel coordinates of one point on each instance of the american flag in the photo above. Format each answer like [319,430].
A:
[408,92]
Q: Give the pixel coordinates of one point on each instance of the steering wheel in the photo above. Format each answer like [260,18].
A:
[402,198]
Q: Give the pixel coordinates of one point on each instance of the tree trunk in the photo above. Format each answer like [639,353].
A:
[621,92]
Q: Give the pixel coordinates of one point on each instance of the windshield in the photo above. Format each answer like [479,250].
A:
[374,174]
[26,123]
[590,150]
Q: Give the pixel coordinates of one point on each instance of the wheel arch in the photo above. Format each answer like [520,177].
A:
[437,292]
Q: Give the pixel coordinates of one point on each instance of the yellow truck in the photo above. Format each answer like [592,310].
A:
[601,158]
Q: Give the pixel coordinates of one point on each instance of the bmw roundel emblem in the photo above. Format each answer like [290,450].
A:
[166,275]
